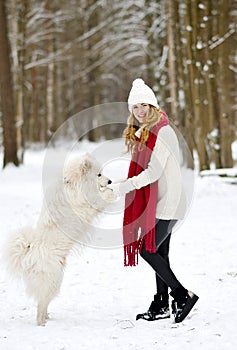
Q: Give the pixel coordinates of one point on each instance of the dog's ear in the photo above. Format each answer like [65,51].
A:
[85,166]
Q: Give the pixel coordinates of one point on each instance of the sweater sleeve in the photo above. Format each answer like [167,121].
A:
[157,163]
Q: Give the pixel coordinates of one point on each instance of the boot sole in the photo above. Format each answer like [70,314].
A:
[141,317]
[188,307]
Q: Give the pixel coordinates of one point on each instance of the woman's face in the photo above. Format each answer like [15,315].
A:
[140,111]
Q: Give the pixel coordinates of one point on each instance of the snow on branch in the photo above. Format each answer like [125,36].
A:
[222,39]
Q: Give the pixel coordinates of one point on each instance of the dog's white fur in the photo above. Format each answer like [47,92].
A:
[38,255]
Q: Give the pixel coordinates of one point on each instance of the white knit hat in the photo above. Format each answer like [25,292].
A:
[141,93]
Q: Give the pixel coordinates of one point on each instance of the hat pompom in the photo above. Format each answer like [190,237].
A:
[138,82]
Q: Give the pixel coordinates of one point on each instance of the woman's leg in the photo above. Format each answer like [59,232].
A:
[159,308]
[161,286]
[157,262]
[163,234]
[183,300]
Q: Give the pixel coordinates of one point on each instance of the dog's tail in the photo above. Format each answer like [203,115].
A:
[16,251]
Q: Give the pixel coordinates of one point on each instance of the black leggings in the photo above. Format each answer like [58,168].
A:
[159,261]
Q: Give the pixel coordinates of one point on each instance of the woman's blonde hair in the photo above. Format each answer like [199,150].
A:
[154,116]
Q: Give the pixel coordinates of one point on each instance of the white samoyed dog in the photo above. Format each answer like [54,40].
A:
[38,255]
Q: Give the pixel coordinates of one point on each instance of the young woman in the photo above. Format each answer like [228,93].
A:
[154,200]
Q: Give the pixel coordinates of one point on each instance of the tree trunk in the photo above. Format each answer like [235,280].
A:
[191,25]
[6,93]
[225,119]
[36,123]
[209,65]
[172,71]
[19,15]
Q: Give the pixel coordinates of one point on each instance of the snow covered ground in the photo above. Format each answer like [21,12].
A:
[100,298]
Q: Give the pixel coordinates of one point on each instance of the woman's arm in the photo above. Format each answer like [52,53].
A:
[155,167]
[166,144]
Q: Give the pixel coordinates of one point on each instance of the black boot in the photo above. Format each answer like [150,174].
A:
[183,303]
[159,309]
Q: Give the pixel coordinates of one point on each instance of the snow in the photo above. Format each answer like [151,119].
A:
[199,45]
[234,150]
[99,298]
[202,6]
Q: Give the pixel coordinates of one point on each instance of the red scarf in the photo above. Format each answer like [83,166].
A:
[140,205]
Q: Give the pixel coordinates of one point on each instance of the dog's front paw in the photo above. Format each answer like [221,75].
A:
[115,188]
[109,195]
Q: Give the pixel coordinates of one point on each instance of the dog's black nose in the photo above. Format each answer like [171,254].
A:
[109,182]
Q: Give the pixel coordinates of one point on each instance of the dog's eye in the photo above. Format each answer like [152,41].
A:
[99,175]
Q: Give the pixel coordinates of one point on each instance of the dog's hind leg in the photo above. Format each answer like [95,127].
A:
[49,290]
[42,313]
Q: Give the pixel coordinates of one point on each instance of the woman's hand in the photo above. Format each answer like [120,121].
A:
[122,188]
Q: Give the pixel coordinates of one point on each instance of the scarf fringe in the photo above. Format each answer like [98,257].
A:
[131,253]
[132,250]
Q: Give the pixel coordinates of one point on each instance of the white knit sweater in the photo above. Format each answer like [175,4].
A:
[164,166]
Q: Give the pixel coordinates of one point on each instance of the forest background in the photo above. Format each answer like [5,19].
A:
[59,58]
